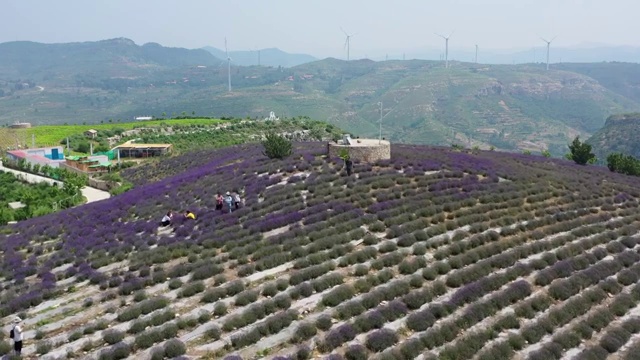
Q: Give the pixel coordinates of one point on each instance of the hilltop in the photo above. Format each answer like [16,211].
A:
[435,253]
[509,107]
[619,134]
[263,57]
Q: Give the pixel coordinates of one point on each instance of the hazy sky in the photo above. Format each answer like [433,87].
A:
[313,26]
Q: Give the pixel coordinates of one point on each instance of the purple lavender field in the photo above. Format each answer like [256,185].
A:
[435,254]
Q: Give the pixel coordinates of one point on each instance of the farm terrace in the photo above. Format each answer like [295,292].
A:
[433,253]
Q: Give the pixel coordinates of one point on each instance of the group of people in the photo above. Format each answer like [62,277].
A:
[227,203]
[231,200]
[168,218]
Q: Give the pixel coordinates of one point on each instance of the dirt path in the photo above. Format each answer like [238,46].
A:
[91,194]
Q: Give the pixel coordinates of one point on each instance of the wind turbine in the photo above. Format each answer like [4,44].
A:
[548,45]
[347,42]
[228,62]
[446,49]
[476,53]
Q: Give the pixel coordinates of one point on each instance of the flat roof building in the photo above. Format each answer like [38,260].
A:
[130,149]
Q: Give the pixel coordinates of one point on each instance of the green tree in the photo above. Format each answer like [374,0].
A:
[73,183]
[624,164]
[83,147]
[546,153]
[276,146]
[580,152]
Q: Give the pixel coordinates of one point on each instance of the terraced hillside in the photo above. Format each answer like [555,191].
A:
[619,134]
[509,107]
[434,254]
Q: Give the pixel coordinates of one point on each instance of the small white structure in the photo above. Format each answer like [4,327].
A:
[91,133]
[272,116]
[16,205]
[143,118]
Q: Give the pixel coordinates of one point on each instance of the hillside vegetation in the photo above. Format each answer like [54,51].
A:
[435,254]
[620,134]
[505,106]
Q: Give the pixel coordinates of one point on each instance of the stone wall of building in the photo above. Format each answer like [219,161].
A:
[368,150]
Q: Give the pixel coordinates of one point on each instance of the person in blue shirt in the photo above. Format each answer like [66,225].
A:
[228,199]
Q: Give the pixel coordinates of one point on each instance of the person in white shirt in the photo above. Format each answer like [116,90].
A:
[17,335]
[166,220]
[236,200]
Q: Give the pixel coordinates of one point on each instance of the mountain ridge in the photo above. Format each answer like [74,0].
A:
[263,57]
[509,107]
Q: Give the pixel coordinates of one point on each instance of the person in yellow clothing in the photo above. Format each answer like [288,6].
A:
[189,215]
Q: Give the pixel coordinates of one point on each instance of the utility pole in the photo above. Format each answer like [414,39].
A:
[380,138]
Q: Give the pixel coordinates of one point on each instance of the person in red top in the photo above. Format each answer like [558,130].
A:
[219,202]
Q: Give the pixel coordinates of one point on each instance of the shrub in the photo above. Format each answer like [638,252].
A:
[276,146]
[213,332]
[219,309]
[304,331]
[360,270]
[381,339]
[356,352]
[337,337]
[192,289]
[349,309]
[157,353]
[302,353]
[174,348]
[139,296]
[323,322]
[370,320]
[116,352]
[269,290]
[420,320]
[338,295]
[614,339]
[112,336]
[234,287]
[213,295]
[43,347]
[246,297]
[305,289]
[283,301]
[147,339]
[5,348]
[175,284]
[387,246]
[75,336]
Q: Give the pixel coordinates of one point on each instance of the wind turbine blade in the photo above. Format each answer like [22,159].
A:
[545,40]
[451,33]
[553,38]
[225,47]
[346,42]
[343,31]
[439,35]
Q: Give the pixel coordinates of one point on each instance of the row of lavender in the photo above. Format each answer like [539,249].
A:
[320,227]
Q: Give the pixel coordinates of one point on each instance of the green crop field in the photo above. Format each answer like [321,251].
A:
[49,135]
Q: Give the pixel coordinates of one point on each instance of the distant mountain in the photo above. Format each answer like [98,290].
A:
[536,54]
[619,134]
[115,57]
[508,107]
[265,57]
